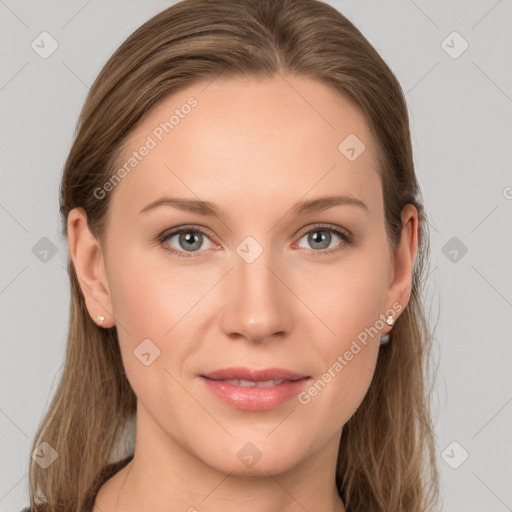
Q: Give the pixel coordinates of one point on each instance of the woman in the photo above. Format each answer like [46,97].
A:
[247,249]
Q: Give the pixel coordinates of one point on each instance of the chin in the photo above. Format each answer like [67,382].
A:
[251,458]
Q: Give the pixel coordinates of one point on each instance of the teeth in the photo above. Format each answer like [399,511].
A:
[251,383]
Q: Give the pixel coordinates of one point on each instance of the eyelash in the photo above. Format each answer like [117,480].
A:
[345,235]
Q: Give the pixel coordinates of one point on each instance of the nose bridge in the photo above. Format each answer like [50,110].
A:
[256,305]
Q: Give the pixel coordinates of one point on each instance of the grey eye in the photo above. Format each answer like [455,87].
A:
[320,238]
[189,240]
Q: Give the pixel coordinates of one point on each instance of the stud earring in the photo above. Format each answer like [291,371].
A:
[384,339]
[101,319]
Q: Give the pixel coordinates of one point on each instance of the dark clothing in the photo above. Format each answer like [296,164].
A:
[108,471]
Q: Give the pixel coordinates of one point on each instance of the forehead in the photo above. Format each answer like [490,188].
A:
[270,140]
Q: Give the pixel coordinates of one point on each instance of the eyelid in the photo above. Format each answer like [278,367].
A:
[322,225]
[189,227]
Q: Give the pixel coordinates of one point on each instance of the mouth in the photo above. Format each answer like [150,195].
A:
[253,375]
[251,395]
[251,383]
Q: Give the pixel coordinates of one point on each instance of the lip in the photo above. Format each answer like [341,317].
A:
[254,398]
[253,374]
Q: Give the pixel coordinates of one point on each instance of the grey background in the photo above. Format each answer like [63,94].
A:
[460,119]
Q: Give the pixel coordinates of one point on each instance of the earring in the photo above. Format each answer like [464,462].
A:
[101,319]
[384,339]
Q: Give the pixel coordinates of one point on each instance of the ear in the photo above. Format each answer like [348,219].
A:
[87,256]
[405,254]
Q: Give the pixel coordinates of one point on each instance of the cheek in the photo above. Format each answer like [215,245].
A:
[148,296]
[152,300]
[349,300]
[148,305]
[348,297]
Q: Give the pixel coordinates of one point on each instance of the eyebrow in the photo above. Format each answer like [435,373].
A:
[211,209]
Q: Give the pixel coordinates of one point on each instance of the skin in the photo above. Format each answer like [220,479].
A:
[255,148]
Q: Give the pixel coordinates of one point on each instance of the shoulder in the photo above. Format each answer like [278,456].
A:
[106,474]
[110,482]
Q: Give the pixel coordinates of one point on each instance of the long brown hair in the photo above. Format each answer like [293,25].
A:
[386,458]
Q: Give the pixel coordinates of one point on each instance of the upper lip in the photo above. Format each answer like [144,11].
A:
[254,375]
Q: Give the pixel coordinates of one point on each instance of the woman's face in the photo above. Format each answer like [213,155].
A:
[251,281]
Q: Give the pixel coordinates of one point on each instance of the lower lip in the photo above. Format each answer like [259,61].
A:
[254,398]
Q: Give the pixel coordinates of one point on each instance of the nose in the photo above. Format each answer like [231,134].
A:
[258,305]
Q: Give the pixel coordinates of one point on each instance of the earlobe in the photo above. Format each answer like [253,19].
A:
[87,256]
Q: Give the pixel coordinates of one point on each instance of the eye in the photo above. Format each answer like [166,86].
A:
[188,240]
[321,237]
